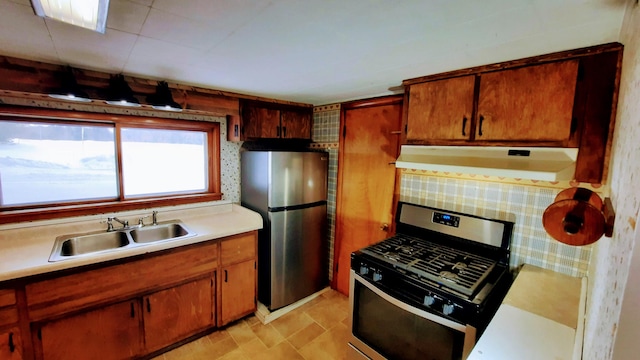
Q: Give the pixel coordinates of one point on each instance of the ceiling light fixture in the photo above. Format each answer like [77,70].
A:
[69,89]
[119,93]
[89,14]
[162,99]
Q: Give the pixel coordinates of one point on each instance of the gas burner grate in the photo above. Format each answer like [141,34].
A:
[452,268]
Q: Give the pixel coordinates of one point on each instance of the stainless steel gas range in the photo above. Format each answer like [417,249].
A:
[429,291]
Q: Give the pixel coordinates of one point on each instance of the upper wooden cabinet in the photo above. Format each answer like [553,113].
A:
[564,99]
[532,103]
[441,110]
[260,120]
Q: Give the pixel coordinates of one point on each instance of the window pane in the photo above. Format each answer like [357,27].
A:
[48,163]
[163,161]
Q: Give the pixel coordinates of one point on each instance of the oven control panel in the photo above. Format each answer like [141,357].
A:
[446,219]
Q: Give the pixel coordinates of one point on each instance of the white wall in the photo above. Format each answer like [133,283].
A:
[612,287]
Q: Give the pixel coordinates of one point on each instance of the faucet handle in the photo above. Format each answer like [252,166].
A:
[109,223]
[141,220]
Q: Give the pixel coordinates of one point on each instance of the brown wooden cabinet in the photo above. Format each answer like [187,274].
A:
[131,308]
[274,121]
[528,104]
[173,314]
[107,333]
[238,277]
[11,347]
[441,109]
[564,99]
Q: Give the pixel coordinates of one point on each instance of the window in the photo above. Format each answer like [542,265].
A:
[44,163]
[63,167]
[163,161]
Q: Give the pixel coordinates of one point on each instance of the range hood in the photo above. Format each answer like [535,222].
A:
[550,164]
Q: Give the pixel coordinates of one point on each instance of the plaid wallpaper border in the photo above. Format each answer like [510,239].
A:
[521,204]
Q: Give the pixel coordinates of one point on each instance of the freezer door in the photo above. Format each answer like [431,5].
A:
[297,178]
[298,254]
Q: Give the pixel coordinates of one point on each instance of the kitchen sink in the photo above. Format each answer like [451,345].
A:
[71,246]
[159,232]
[91,243]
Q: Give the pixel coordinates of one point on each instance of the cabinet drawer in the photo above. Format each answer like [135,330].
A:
[77,291]
[236,249]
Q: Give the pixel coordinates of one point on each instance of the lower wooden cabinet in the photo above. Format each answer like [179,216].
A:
[10,344]
[176,313]
[108,333]
[238,294]
[130,308]
[238,277]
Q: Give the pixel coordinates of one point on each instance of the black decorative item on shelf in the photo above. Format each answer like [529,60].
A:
[69,88]
[162,98]
[119,92]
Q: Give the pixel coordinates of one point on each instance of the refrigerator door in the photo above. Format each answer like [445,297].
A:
[298,255]
[297,178]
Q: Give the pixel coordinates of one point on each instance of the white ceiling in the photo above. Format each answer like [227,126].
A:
[311,51]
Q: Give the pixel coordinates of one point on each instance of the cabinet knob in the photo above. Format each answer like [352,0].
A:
[384,227]
[226,277]
[464,125]
[480,125]
[12,346]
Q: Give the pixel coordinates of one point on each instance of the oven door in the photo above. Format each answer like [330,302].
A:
[383,327]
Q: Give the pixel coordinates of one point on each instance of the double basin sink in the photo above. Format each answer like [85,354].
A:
[71,246]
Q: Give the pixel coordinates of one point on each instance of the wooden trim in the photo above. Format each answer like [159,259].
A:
[561,55]
[338,225]
[27,78]
[379,101]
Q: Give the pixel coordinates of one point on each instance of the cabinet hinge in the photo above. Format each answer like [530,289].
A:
[39,334]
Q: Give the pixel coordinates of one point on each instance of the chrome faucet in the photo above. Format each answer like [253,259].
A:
[125,223]
[153,217]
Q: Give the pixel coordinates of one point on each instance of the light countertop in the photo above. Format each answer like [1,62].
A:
[540,318]
[25,248]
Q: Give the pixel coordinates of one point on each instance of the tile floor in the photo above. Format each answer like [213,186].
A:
[316,330]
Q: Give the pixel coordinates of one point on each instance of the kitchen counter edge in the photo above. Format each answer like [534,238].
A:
[25,249]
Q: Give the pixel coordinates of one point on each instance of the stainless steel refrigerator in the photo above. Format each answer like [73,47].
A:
[289,190]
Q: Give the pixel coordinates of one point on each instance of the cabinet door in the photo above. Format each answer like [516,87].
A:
[260,123]
[112,332]
[533,103]
[295,124]
[441,110]
[10,344]
[238,290]
[178,312]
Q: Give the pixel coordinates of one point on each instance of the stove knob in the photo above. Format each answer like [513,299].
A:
[364,270]
[447,309]
[429,300]
[377,276]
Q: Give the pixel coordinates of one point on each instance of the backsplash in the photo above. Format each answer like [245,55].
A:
[325,135]
[521,204]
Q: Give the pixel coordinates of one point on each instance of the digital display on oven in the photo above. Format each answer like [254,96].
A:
[446,219]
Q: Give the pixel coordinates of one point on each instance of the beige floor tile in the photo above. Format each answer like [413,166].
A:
[330,345]
[327,314]
[241,332]
[194,350]
[254,348]
[251,320]
[267,334]
[218,335]
[282,351]
[306,335]
[236,354]
[291,323]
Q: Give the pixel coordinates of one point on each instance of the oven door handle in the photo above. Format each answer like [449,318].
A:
[423,314]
